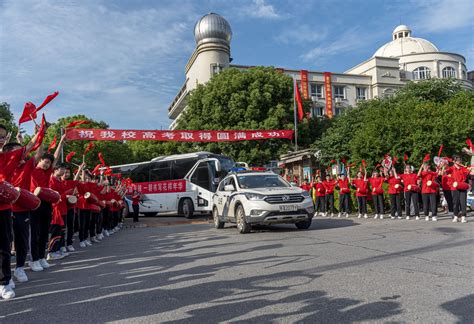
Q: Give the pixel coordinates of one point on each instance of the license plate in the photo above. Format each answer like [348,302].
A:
[285,208]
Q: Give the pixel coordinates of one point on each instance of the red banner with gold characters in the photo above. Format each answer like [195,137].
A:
[304,84]
[158,187]
[174,136]
[328,91]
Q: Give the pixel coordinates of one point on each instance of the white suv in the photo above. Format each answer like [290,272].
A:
[249,198]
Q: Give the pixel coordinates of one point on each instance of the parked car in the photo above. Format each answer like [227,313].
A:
[249,198]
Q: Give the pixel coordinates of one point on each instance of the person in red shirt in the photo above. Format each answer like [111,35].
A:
[136,196]
[410,183]
[329,185]
[305,186]
[362,187]
[320,192]
[429,189]
[376,182]
[459,175]
[71,190]
[84,186]
[394,191]
[41,218]
[344,193]
[446,185]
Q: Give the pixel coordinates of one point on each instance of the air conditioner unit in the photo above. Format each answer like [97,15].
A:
[338,100]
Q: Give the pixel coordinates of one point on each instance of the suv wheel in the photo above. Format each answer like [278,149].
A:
[242,224]
[188,208]
[217,222]
[303,225]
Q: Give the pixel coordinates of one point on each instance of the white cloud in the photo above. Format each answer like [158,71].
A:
[120,65]
[302,34]
[259,9]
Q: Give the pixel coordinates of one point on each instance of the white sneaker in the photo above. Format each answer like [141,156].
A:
[118,228]
[88,243]
[381,216]
[376,216]
[12,284]
[63,249]
[100,236]
[6,292]
[434,219]
[54,256]
[365,216]
[427,218]
[82,244]
[408,217]
[400,217]
[106,233]
[417,217]
[44,263]
[332,214]
[455,219]
[316,214]
[359,216]
[70,248]
[95,240]
[63,254]
[463,219]
[339,215]
[20,274]
[35,266]
[393,217]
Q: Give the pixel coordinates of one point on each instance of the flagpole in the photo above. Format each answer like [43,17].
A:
[62,147]
[294,114]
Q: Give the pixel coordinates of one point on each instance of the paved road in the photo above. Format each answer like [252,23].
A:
[340,271]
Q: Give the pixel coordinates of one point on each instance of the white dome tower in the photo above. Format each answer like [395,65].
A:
[212,54]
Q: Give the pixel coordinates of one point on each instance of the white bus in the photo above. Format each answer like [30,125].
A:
[183,184]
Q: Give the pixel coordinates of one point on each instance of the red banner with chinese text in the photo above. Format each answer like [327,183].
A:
[304,84]
[176,136]
[158,187]
[328,91]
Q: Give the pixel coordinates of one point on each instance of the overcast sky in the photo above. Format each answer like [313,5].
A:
[123,61]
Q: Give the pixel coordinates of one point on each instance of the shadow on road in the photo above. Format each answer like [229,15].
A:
[462,308]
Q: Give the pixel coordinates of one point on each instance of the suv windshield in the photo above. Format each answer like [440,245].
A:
[261,181]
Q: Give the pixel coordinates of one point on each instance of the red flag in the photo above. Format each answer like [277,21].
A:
[70,156]
[299,103]
[101,158]
[29,113]
[52,145]
[364,163]
[96,170]
[469,143]
[426,158]
[89,147]
[108,171]
[41,133]
[440,150]
[77,122]
[47,100]
[405,157]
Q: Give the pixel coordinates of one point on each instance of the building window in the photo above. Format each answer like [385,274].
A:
[360,93]
[316,90]
[216,69]
[464,75]
[339,92]
[317,111]
[338,111]
[421,73]
[449,72]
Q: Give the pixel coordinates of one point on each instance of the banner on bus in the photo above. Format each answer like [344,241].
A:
[156,187]
[174,136]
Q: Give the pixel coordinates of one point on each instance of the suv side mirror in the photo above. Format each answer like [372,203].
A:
[229,188]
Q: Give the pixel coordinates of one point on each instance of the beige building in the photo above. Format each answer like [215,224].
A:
[402,59]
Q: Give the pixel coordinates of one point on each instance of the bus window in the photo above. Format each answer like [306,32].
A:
[181,167]
[141,173]
[201,176]
[160,171]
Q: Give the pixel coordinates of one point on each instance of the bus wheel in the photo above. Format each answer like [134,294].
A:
[188,208]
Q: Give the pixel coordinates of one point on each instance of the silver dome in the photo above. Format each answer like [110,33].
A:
[212,28]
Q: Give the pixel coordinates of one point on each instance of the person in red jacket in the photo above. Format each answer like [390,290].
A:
[137,196]
[320,192]
[84,186]
[459,175]
[429,189]
[329,185]
[344,193]
[71,190]
[305,186]
[410,183]
[376,182]
[394,191]
[362,187]
[446,185]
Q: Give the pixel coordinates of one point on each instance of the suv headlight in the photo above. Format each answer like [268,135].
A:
[305,194]
[254,196]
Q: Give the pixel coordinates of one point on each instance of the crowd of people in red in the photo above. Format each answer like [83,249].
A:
[451,178]
[43,203]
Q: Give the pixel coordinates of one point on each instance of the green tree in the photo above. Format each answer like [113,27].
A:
[7,119]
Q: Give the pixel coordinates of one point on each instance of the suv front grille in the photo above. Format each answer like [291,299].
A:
[284,199]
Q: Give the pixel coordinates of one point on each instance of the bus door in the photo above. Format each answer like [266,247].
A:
[205,180]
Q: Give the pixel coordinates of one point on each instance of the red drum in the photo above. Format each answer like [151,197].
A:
[8,193]
[71,199]
[413,188]
[109,203]
[48,195]
[94,208]
[345,190]
[397,186]
[460,185]
[27,200]
[362,192]
[101,203]
[91,198]
[377,191]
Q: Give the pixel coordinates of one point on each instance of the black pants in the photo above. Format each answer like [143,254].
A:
[320,204]
[448,194]
[344,203]
[106,218]
[70,226]
[92,224]
[330,203]
[5,246]
[99,223]
[39,221]
[76,221]
[429,203]
[55,241]
[136,210]
[378,204]
[21,235]
[362,204]
[459,202]
[115,218]
[395,205]
[84,223]
[411,197]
